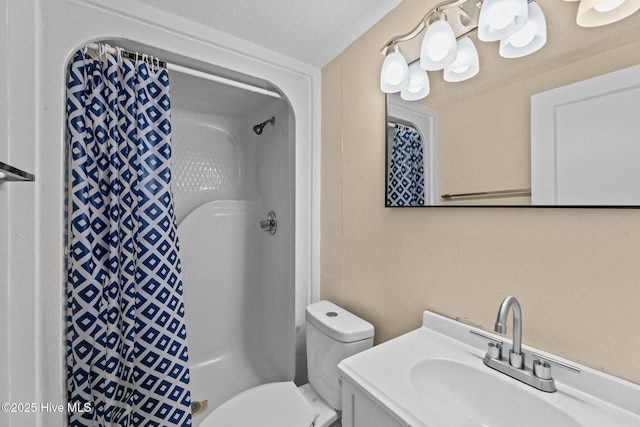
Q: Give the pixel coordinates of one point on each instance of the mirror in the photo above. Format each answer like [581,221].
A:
[525,131]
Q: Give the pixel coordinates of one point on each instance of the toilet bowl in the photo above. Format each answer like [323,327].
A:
[333,334]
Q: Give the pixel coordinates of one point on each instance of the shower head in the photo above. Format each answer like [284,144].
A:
[258,128]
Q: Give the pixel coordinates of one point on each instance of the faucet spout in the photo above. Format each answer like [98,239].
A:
[501,327]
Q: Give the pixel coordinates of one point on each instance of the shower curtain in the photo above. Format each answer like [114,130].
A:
[406,169]
[126,337]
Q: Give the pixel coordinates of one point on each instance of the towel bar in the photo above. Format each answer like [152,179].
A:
[9,173]
[520,192]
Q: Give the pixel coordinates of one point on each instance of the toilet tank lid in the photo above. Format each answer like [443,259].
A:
[338,323]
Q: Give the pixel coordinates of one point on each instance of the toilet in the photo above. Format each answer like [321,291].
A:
[333,334]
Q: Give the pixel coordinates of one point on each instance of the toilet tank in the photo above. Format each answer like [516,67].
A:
[333,334]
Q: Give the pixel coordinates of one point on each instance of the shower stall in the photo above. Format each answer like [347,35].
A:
[233,185]
[233,157]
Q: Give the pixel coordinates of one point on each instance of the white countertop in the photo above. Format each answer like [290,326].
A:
[591,398]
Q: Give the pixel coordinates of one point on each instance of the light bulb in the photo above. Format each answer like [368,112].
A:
[438,46]
[607,5]
[419,84]
[593,13]
[394,73]
[524,36]
[394,76]
[467,63]
[460,69]
[501,18]
[529,38]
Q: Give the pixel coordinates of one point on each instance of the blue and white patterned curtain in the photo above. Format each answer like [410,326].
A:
[406,169]
[126,336]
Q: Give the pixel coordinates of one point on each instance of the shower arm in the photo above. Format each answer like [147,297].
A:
[260,127]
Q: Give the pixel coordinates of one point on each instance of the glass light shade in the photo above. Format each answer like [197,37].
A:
[529,38]
[501,18]
[466,65]
[419,84]
[394,76]
[593,13]
[438,46]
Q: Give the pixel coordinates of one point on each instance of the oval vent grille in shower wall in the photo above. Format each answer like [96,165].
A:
[204,158]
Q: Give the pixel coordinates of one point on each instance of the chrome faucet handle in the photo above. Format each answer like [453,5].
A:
[542,369]
[494,349]
[556,362]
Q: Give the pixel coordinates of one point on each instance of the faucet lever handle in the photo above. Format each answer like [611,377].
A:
[494,349]
[556,362]
[542,369]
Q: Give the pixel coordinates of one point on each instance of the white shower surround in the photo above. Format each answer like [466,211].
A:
[238,282]
[31,214]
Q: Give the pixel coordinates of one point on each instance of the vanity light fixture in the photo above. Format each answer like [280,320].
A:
[594,13]
[501,18]
[529,38]
[394,76]
[419,83]
[446,44]
[466,65]
[438,46]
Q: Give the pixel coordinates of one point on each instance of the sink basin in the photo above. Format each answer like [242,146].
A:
[434,376]
[466,396]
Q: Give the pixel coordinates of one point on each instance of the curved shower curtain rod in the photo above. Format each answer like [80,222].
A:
[192,72]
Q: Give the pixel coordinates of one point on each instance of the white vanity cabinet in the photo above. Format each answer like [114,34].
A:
[360,410]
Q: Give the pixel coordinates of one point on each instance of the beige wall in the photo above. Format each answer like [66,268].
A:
[576,272]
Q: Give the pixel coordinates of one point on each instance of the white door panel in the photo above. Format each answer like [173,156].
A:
[585,142]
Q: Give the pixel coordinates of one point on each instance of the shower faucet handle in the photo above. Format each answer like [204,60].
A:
[270,225]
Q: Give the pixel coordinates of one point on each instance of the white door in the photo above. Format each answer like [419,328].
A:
[585,142]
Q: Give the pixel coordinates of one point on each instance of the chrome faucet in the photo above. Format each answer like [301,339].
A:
[539,374]
[516,358]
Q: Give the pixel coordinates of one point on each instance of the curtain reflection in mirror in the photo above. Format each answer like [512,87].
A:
[406,169]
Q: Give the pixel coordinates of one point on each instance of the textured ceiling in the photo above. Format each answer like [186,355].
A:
[312,31]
